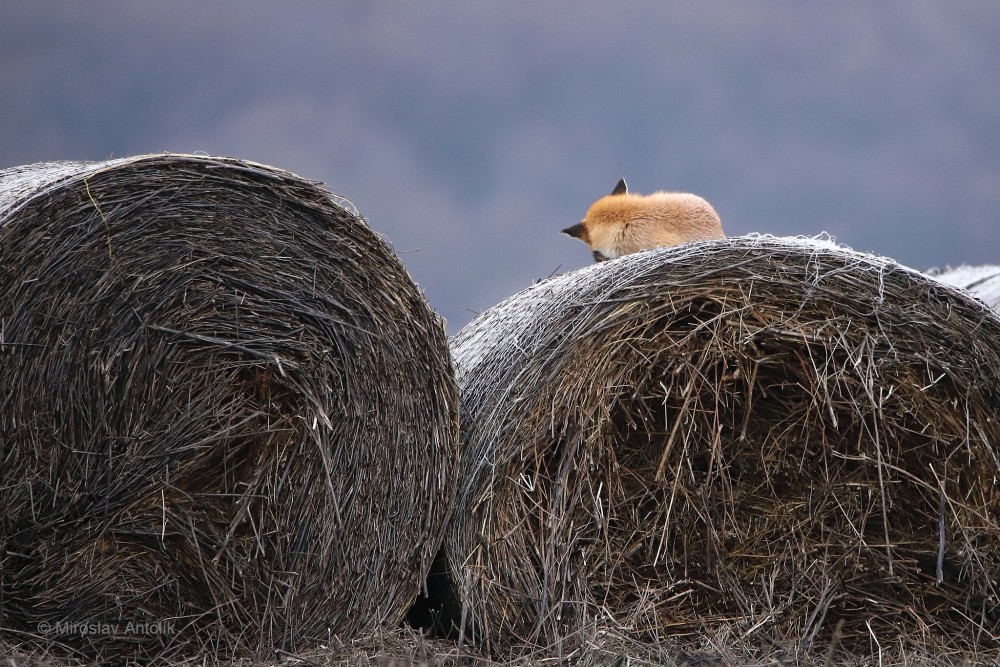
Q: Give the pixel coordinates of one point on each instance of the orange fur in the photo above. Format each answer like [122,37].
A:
[623,223]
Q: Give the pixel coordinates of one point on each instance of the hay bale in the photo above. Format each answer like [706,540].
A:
[752,439]
[982,281]
[228,420]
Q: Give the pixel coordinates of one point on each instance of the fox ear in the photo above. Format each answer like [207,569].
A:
[621,188]
[576,231]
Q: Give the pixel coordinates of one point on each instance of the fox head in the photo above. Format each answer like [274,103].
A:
[622,223]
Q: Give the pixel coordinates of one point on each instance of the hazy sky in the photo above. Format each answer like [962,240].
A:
[470,133]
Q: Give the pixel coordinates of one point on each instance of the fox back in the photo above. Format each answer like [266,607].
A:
[622,223]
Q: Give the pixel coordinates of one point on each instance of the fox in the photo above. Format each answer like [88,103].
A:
[622,223]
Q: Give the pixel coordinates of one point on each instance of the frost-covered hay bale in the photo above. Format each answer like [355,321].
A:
[982,281]
[228,420]
[750,439]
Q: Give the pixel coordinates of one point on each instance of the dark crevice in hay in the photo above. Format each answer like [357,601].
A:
[214,374]
[431,612]
[751,439]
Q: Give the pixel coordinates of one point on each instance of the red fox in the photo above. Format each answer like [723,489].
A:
[623,223]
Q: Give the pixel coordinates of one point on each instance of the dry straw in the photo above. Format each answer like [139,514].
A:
[759,441]
[228,418]
[982,281]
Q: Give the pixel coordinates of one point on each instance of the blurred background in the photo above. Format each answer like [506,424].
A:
[470,133]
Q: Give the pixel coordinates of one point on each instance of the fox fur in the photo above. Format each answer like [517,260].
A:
[622,223]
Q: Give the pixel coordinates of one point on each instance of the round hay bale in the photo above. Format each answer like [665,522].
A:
[229,417]
[982,281]
[752,439]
